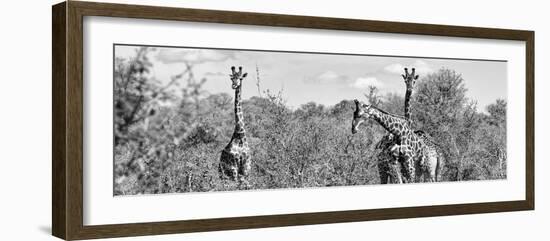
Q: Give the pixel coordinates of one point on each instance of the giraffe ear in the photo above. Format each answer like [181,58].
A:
[244,75]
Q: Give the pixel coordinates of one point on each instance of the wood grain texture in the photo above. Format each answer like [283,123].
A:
[530,120]
[59,193]
[74,121]
[67,100]
[121,230]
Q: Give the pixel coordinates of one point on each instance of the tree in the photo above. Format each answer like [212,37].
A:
[497,113]
[442,110]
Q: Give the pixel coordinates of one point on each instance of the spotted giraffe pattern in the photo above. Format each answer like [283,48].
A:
[235,160]
[410,146]
[388,168]
[410,79]
[430,167]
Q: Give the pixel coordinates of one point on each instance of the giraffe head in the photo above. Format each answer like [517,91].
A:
[410,78]
[237,77]
[362,112]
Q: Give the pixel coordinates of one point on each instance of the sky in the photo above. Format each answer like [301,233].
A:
[319,77]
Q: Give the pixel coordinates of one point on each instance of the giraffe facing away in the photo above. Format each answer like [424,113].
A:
[433,159]
[409,147]
[235,157]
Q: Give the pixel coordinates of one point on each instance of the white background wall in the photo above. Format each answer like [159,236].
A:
[25,120]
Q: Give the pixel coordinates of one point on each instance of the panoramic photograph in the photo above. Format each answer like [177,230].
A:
[191,119]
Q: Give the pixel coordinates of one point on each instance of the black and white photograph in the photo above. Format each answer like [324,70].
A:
[191,119]
[278,120]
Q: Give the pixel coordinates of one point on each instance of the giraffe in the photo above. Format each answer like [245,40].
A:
[409,146]
[410,80]
[235,157]
[433,158]
[387,166]
[430,168]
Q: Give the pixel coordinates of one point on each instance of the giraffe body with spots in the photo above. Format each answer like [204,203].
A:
[389,169]
[235,160]
[409,147]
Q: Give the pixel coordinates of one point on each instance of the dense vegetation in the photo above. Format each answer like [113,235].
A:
[170,141]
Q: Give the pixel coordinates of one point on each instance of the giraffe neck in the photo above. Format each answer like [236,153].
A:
[239,122]
[408,94]
[395,125]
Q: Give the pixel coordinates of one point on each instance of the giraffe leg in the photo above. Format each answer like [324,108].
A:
[244,165]
[227,166]
[430,174]
[220,171]
[427,171]
[406,161]
[383,172]
[234,172]
[222,166]
[410,170]
[428,164]
[419,169]
[433,165]
[437,168]
[405,172]
[225,170]
[395,175]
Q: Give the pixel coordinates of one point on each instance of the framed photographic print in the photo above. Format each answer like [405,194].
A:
[171,120]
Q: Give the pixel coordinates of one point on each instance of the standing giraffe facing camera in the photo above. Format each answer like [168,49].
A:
[235,157]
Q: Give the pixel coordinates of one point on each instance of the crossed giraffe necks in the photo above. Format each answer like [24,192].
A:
[395,125]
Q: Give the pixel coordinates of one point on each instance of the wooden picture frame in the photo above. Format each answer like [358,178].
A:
[67,124]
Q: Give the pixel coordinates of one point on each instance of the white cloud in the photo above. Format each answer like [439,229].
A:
[327,77]
[365,82]
[422,68]
[394,68]
[194,56]
[332,77]
[218,73]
